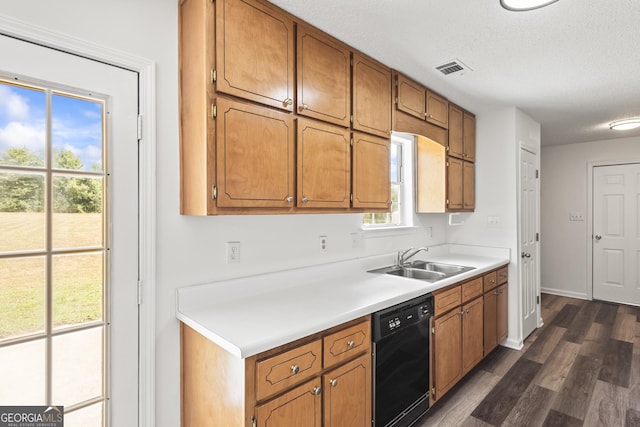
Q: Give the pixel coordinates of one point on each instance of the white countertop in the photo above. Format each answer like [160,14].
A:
[249,315]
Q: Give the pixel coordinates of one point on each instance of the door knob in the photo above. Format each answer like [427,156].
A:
[597,237]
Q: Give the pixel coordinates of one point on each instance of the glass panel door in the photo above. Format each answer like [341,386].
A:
[53,250]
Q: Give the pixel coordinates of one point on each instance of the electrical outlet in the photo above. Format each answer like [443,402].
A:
[493,220]
[233,252]
[323,243]
[355,240]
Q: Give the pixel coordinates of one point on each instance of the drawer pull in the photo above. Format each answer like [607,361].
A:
[351,343]
[333,383]
[316,390]
[287,102]
[295,369]
[303,107]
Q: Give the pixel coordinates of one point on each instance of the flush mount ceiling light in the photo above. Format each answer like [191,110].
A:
[522,5]
[625,124]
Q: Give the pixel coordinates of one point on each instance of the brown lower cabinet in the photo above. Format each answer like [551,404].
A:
[467,326]
[321,380]
[495,309]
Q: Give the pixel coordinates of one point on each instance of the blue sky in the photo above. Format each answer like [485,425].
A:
[76,123]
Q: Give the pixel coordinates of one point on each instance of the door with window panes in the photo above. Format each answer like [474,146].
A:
[66,276]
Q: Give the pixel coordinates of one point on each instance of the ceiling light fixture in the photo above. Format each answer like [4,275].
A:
[625,124]
[522,5]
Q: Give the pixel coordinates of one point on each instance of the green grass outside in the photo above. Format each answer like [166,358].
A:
[77,279]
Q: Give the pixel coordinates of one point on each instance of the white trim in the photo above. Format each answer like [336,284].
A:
[146,70]
[590,170]
[563,293]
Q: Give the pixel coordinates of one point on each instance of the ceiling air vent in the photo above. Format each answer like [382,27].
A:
[454,66]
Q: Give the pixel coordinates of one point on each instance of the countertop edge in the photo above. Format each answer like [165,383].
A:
[244,344]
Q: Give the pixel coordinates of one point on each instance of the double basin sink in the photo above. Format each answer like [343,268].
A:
[424,270]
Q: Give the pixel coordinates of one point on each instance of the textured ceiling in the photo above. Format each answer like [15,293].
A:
[573,66]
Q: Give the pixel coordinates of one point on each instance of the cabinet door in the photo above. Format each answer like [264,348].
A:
[411,97]
[371,96]
[468,186]
[456,138]
[300,407]
[472,334]
[454,184]
[447,343]
[254,156]
[347,394]
[469,126]
[502,320]
[437,110]
[490,325]
[324,165]
[324,77]
[371,175]
[255,53]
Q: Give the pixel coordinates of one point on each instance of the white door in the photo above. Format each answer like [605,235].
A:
[528,241]
[68,130]
[616,233]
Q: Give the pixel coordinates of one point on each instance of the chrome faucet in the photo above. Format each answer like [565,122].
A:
[403,257]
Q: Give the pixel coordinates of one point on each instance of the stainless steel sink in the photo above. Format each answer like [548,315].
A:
[424,270]
[449,269]
[416,273]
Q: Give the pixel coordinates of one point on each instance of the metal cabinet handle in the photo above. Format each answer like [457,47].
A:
[289,199]
[316,390]
[351,343]
[295,369]
[333,383]
[526,255]
[304,199]
[303,107]
[597,237]
[287,101]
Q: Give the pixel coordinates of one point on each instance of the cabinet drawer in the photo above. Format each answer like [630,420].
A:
[471,289]
[346,343]
[286,369]
[490,281]
[503,275]
[447,300]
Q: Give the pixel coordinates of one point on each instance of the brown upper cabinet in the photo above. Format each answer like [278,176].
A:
[462,134]
[371,96]
[255,156]
[254,53]
[324,77]
[418,101]
[324,165]
[460,185]
[371,171]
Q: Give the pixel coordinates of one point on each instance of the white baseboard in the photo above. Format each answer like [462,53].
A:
[512,344]
[564,293]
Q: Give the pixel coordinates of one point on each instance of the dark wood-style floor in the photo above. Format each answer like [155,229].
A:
[582,368]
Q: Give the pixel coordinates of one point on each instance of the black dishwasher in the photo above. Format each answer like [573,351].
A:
[401,362]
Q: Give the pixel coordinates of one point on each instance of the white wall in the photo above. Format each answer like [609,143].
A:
[191,250]
[564,173]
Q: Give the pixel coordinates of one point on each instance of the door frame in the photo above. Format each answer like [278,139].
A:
[589,232]
[146,70]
